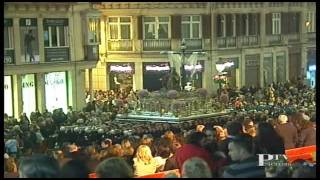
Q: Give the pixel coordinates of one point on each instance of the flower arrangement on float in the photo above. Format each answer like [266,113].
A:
[220,79]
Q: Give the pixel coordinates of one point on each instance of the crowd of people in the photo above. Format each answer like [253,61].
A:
[63,145]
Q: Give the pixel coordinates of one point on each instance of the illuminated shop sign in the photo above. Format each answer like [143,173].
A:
[8,109]
[197,67]
[157,68]
[56,91]
[121,68]
[28,94]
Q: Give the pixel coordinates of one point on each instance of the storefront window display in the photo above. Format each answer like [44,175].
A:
[121,75]
[56,91]
[28,94]
[8,99]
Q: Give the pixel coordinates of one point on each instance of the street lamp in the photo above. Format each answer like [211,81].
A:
[220,66]
[182,69]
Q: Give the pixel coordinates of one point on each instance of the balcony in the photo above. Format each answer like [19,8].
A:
[193,44]
[275,39]
[227,42]
[156,44]
[120,45]
[53,54]
[9,57]
[248,40]
[292,38]
[311,36]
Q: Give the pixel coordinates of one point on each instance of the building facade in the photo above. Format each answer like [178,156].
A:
[47,49]
[267,41]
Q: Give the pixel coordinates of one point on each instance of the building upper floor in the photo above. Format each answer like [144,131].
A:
[136,27]
[36,34]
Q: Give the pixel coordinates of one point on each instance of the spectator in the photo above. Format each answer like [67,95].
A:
[307,135]
[241,151]
[144,163]
[195,168]
[303,169]
[234,128]
[248,127]
[287,131]
[38,166]
[74,169]
[114,167]
[163,152]
[194,148]
[268,141]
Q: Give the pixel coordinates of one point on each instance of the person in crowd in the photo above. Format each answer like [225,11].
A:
[287,131]
[114,167]
[241,152]
[163,152]
[249,127]
[144,163]
[267,140]
[194,148]
[195,168]
[233,129]
[74,169]
[38,166]
[303,169]
[307,135]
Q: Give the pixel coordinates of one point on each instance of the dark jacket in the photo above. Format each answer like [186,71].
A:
[289,134]
[307,137]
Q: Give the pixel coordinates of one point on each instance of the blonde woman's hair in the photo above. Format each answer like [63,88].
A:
[144,154]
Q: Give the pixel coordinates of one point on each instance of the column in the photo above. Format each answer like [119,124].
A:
[207,74]
[103,45]
[287,63]
[214,59]
[304,60]
[40,90]
[16,37]
[80,97]
[242,65]
[90,85]
[17,95]
[138,76]
[41,39]
[274,61]
[261,68]
[263,37]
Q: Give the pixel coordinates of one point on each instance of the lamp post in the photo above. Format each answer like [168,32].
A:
[220,66]
[182,69]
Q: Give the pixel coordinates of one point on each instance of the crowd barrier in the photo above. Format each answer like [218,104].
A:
[155,175]
[306,153]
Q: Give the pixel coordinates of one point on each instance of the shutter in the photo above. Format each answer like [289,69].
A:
[218,23]
[268,23]
[229,25]
[140,28]
[297,22]
[238,24]
[258,24]
[284,23]
[176,27]
[206,26]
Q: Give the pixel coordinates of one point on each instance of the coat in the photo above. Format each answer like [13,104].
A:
[289,134]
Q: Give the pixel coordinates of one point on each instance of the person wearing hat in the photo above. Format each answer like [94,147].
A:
[287,131]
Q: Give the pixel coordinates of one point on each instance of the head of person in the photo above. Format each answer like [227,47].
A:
[106,143]
[74,169]
[282,119]
[144,154]
[241,147]
[114,167]
[196,138]
[169,135]
[195,168]
[234,128]
[38,166]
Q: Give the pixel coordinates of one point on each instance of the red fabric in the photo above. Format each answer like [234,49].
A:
[188,151]
[305,153]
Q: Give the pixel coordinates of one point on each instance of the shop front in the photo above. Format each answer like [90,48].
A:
[194,74]
[28,93]
[8,98]
[120,76]
[155,75]
[311,68]
[56,91]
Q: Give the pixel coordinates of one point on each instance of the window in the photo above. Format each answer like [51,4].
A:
[56,33]
[8,34]
[221,19]
[253,24]
[156,27]
[310,21]
[191,27]
[94,30]
[276,23]
[119,27]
